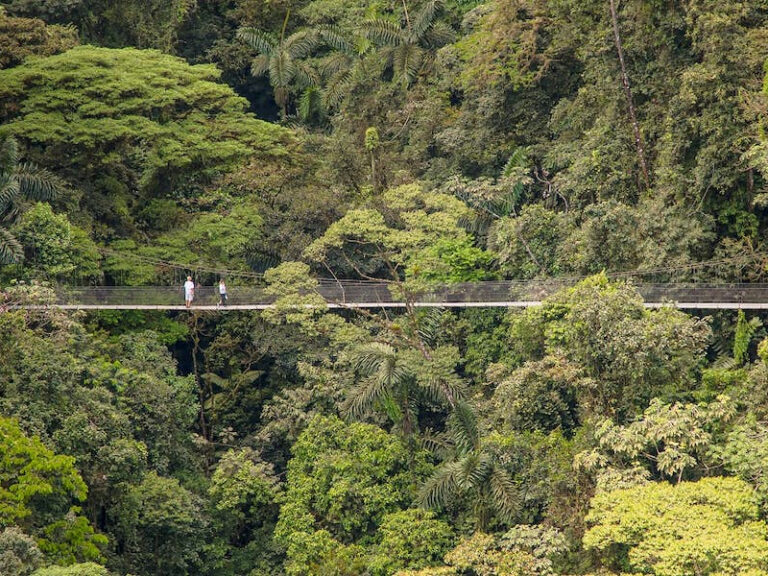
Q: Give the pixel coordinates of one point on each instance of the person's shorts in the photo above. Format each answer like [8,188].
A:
[188,296]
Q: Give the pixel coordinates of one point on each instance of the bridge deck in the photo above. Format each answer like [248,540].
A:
[352,294]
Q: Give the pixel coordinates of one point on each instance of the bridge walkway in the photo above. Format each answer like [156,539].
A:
[358,294]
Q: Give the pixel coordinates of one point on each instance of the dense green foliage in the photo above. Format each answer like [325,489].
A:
[23,37]
[596,143]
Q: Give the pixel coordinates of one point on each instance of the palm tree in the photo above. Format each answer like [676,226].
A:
[390,385]
[346,64]
[406,48]
[19,181]
[475,474]
[283,59]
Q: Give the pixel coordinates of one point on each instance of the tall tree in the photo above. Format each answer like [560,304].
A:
[475,474]
[129,126]
[405,47]
[394,382]
[639,145]
[709,527]
[283,59]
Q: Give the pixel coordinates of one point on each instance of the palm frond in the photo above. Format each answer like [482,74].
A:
[363,46]
[424,19]
[37,183]
[306,75]
[371,65]
[429,326]
[10,190]
[9,154]
[442,391]
[440,488]
[383,33]
[393,410]
[215,380]
[363,397]
[257,39]
[260,65]
[384,374]
[433,393]
[385,58]
[473,471]
[335,63]
[302,43]
[335,39]
[507,205]
[462,424]
[369,357]
[250,376]
[281,94]
[410,412]
[517,160]
[11,250]
[437,443]
[504,493]
[311,104]
[478,223]
[724,362]
[438,35]
[282,70]
[336,90]
[407,59]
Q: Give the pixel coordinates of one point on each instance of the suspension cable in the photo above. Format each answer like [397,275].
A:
[213,269]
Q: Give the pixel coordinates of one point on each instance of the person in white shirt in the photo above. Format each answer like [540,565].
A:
[222,293]
[189,291]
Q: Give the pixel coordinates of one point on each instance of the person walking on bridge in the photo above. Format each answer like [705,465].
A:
[189,291]
[222,293]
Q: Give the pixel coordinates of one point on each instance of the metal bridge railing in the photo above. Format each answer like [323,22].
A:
[372,293]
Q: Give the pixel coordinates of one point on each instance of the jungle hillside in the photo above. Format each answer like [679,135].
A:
[287,144]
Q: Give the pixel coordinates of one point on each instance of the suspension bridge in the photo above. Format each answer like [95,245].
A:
[247,291]
[372,295]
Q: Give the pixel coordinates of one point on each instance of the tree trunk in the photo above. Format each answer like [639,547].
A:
[195,336]
[373,171]
[628,93]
